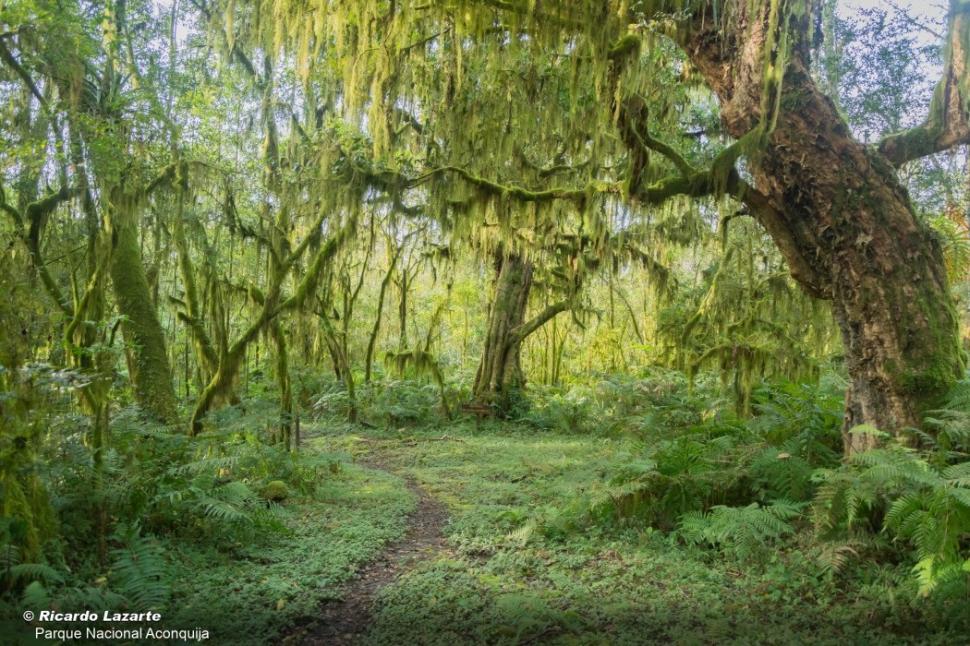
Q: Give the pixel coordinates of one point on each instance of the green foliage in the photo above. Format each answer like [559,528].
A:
[139,571]
[275,491]
[294,162]
[570,410]
[194,487]
[403,403]
[251,592]
[717,460]
[523,562]
[391,402]
[953,230]
[465,608]
[743,531]
[180,489]
[900,492]
[653,405]
[948,427]
[205,531]
[745,318]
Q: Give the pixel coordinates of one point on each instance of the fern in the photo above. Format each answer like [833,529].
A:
[780,474]
[139,572]
[35,572]
[901,492]
[743,531]
[35,596]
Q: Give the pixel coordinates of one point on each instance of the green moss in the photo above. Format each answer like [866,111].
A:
[275,491]
[626,46]
[149,366]
[939,361]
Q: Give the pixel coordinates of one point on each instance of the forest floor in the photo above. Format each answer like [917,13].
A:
[346,620]
[504,564]
[471,534]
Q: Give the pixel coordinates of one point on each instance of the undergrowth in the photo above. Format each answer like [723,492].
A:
[769,493]
[204,530]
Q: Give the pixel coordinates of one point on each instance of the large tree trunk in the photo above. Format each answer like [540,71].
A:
[846,226]
[500,370]
[148,359]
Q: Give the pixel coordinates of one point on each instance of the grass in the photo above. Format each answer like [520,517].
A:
[520,569]
[528,559]
[250,593]
[258,587]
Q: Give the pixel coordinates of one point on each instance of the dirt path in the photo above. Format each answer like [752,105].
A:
[345,621]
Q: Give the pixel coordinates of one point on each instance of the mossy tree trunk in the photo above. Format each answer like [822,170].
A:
[500,374]
[500,368]
[148,363]
[378,317]
[87,341]
[272,304]
[837,211]
[191,313]
[283,380]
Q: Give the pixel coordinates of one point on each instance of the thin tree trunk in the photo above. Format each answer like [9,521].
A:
[372,340]
[283,379]
[402,310]
[205,351]
[231,359]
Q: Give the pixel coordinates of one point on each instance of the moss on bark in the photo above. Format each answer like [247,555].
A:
[151,373]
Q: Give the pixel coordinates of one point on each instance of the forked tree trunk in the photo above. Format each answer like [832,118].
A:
[844,223]
[372,339]
[500,370]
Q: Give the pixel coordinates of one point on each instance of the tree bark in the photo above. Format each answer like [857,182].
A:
[500,375]
[500,369]
[372,339]
[148,363]
[231,358]
[192,317]
[845,224]
[283,379]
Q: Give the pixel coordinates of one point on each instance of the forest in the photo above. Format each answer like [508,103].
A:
[485,321]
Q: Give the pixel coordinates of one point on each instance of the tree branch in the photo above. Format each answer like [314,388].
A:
[521,332]
[7,57]
[518,192]
[948,122]
[14,213]
[312,276]
[37,213]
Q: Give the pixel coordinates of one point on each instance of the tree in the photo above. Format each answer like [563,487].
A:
[83,96]
[833,206]
[499,373]
[837,211]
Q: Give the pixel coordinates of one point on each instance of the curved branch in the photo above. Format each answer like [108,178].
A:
[37,213]
[518,192]
[7,57]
